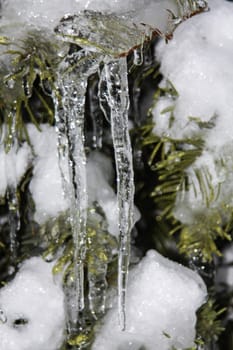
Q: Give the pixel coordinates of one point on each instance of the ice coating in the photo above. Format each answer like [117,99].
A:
[32,309]
[162,299]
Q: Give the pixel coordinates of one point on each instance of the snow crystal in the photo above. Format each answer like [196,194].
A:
[162,299]
[33,309]
[198,62]
[13,166]
[46,184]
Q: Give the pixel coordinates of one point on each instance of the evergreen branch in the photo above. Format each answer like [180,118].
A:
[201,236]
[209,326]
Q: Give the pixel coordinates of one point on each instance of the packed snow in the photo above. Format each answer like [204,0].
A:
[32,309]
[198,62]
[46,184]
[162,299]
[13,166]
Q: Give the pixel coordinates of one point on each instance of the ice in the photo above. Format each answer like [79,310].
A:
[203,76]
[14,223]
[162,299]
[96,115]
[91,31]
[94,31]
[32,308]
[46,183]
[72,84]
[115,76]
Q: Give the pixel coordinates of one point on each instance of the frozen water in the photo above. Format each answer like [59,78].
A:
[117,97]
[14,222]
[72,84]
[94,31]
[32,309]
[162,300]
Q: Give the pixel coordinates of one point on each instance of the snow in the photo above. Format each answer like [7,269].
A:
[202,73]
[46,14]
[46,184]
[13,166]
[203,76]
[32,296]
[162,299]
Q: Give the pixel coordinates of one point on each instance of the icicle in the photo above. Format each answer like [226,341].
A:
[11,193]
[14,222]
[97,287]
[115,76]
[70,109]
[96,116]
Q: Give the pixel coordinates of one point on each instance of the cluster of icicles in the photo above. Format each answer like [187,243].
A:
[69,100]
[70,115]
[70,123]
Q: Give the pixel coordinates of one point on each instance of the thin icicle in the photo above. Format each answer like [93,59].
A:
[96,115]
[97,287]
[14,222]
[115,75]
[73,106]
[11,193]
[70,124]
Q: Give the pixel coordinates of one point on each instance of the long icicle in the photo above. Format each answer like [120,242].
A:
[74,103]
[11,193]
[70,120]
[118,100]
